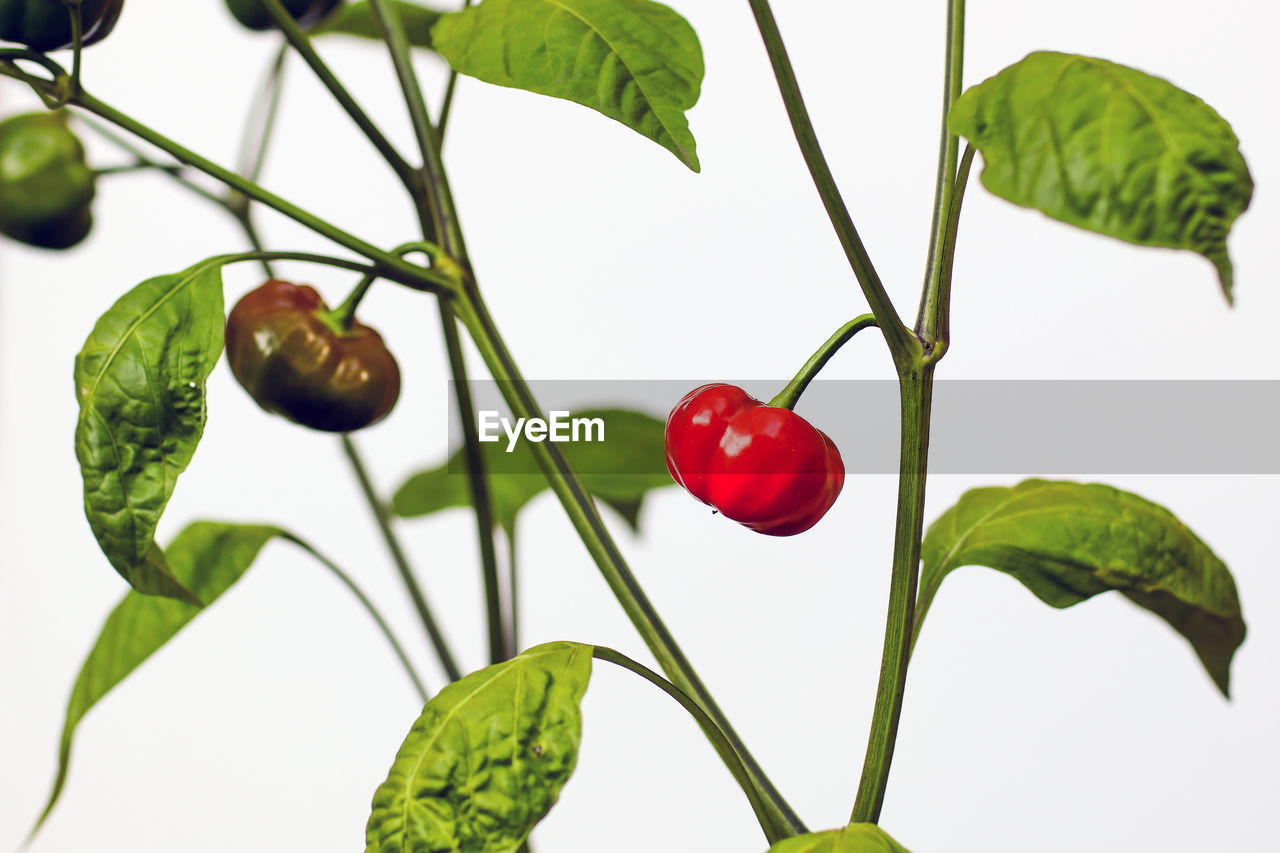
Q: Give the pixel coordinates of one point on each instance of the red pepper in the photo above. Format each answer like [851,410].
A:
[760,465]
[288,352]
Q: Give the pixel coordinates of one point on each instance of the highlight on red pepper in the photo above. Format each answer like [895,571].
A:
[763,466]
[296,359]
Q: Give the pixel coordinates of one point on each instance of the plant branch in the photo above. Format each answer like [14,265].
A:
[436,212]
[930,316]
[387,264]
[501,639]
[717,737]
[903,344]
[790,395]
[369,608]
[446,105]
[173,170]
[939,320]
[513,587]
[302,44]
[383,518]
[916,393]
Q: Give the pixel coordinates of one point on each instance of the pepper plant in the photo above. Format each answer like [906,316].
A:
[1084,140]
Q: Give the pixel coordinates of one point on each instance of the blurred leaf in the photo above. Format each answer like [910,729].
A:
[1067,542]
[487,758]
[633,443]
[1109,149]
[854,838]
[140,383]
[207,558]
[356,19]
[635,61]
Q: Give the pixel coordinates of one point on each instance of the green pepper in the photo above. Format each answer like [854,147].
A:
[45,185]
[306,12]
[45,25]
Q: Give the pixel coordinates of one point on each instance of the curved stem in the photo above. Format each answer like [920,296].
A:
[345,314]
[302,44]
[916,392]
[580,507]
[369,608]
[790,395]
[305,257]
[402,564]
[736,767]
[929,316]
[903,344]
[388,265]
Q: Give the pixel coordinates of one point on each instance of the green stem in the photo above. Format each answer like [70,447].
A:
[501,643]
[387,19]
[585,517]
[940,313]
[513,588]
[136,167]
[438,196]
[931,313]
[254,142]
[383,518]
[344,316]
[736,767]
[916,392]
[435,207]
[302,44]
[446,106]
[387,264]
[76,10]
[903,344]
[261,121]
[369,608]
[305,257]
[173,170]
[789,396]
[924,600]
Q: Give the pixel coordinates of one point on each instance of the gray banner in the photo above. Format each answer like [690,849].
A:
[979,427]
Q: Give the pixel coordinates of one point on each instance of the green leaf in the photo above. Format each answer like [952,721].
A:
[635,61]
[1067,542]
[207,558]
[1109,149]
[140,383]
[356,19]
[633,443]
[854,838]
[487,758]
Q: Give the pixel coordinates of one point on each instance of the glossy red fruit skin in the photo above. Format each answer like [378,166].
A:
[762,466]
[294,363]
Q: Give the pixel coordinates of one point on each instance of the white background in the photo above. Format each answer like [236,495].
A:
[269,722]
